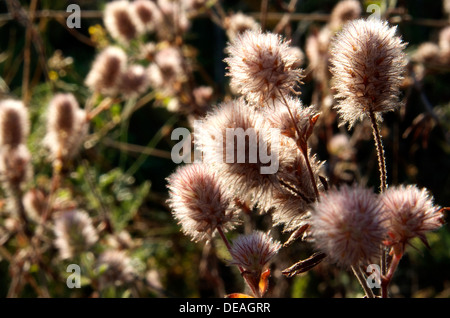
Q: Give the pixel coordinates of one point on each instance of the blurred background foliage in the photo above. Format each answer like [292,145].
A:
[123,168]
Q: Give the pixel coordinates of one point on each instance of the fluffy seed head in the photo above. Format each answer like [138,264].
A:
[261,66]
[104,76]
[368,65]
[148,13]
[239,23]
[411,213]
[121,22]
[344,11]
[14,124]
[232,138]
[115,268]
[254,251]
[66,126]
[198,202]
[74,233]
[134,81]
[15,166]
[348,225]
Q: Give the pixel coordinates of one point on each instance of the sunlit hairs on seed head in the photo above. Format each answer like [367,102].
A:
[148,14]
[411,213]
[199,203]
[349,226]
[261,67]
[238,23]
[121,21]
[368,65]
[14,123]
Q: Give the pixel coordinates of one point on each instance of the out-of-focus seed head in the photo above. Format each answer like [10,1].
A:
[261,67]
[104,76]
[121,21]
[368,65]
[14,123]
[167,72]
[115,269]
[348,225]
[198,202]
[343,12]
[74,233]
[34,202]
[253,251]
[134,81]
[66,126]
[411,213]
[239,23]
[148,13]
[15,166]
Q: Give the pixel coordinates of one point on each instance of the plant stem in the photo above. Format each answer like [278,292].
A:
[380,151]
[386,280]
[363,282]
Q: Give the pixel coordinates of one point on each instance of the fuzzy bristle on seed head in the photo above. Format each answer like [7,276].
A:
[348,225]
[15,166]
[253,251]
[233,138]
[14,123]
[104,76]
[343,12]
[148,13]
[368,65]
[411,213]
[239,23]
[134,81]
[198,202]
[74,233]
[261,67]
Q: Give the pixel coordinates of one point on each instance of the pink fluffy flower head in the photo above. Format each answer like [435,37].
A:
[411,213]
[368,65]
[254,251]
[261,66]
[198,201]
[348,225]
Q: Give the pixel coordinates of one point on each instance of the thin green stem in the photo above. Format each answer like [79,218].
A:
[363,282]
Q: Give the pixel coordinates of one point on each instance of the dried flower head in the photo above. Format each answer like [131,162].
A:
[236,143]
[239,23]
[343,12]
[115,268]
[105,73]
[253,251]
[348,225]
[14,124]
[134,81]
[427,52]
[198,202]
[15,166]
[411,213]
[74,233]
[148,13]
[167,71]
[34,202]
[261,66]
[121,22]
[66,126]
[368,64]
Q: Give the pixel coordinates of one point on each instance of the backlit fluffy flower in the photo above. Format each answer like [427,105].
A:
[148,13]
[15,166]
[122,22]
[411,213]
[368,64]
[348,225]
[104,76]
[239,23]
[253,251]
[261,66]
[74,233]
[66,126]
[14,124]
[198,202]
[235,142]
[344,11]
